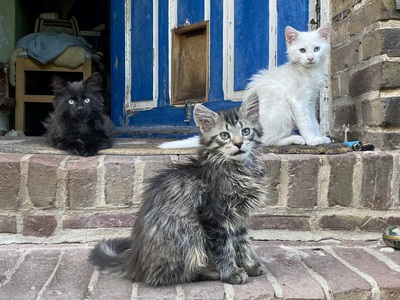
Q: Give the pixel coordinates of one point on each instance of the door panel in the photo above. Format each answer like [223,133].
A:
[239,45]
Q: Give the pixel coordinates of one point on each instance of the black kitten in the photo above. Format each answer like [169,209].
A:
[78,124]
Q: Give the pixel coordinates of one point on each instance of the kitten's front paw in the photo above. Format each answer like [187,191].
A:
[238,276]
[89,150]
[256,269]
[297,140]
[318,140]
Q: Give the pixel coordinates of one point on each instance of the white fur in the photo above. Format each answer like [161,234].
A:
[191,142]
[288,93]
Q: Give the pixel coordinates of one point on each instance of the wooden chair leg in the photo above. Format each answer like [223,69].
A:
[87,69]
[20,94]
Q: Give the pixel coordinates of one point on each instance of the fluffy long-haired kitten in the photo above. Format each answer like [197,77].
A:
[79,124]
[192,224]
[288,94]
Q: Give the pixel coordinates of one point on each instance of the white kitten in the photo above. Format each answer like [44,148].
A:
[288,93]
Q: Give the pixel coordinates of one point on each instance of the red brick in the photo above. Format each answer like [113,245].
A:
[346,56]
[111,287]
[31,275]
[119,180]
[340,190]
[213,291]
[374,78]
[381,41]
[303,181]
[381,112]
[8,224]
[145,292]
[99,221]
[376,179]
[387,279]
[272,164]
[40,226]
[154,163]
[280,222]
[371,12]
[42,179]
[82,182]
[382,140]
[342,282]
[338,7]
[10,170]
[336,222]
[67,281]
[290,273]
[376,224]
[256,288]
[345,114]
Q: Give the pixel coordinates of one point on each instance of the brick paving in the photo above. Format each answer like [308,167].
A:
[296,270]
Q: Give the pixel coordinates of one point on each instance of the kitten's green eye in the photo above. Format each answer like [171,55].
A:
[224,135]
[87,100]
[302,50]
[246,131]
[71,101]
[316,49]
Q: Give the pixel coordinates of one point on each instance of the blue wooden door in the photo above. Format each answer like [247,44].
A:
[244,37]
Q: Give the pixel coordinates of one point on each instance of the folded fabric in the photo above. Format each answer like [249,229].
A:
[45,46]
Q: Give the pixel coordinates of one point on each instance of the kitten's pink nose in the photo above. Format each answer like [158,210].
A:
[310,59]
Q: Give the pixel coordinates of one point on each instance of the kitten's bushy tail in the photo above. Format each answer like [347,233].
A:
[191,142]
[107,256]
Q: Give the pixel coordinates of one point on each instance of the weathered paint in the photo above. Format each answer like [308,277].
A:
[250,39]
[190,12]
[117,40]
[142,50]
[292,13]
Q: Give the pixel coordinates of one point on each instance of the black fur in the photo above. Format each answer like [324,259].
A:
[78,124]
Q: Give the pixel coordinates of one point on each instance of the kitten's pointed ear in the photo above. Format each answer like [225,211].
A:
[250,108]
[291,34]
[324,31]
[94,82]
[204,118]
[58,85]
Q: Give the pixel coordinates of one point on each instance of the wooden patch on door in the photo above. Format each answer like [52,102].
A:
[190,63]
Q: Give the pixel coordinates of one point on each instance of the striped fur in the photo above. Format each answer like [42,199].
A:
[192,224]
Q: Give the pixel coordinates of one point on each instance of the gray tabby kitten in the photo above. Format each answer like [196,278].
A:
[192,224]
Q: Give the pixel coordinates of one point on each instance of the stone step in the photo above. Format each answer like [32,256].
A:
[50,197]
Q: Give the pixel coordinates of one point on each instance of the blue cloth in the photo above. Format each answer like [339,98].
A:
[46,46]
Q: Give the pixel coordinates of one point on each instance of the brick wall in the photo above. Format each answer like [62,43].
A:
[365,71]
[57,198]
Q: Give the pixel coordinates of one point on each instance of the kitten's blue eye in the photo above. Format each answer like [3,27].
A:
[302,50]
[71,101]
[316,49]
[224,135]
[87,100]
[246,131]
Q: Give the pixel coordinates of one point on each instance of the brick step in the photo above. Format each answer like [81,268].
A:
[47,196]
[296,270]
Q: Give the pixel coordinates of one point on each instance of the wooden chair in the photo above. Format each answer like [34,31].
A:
[26,64]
